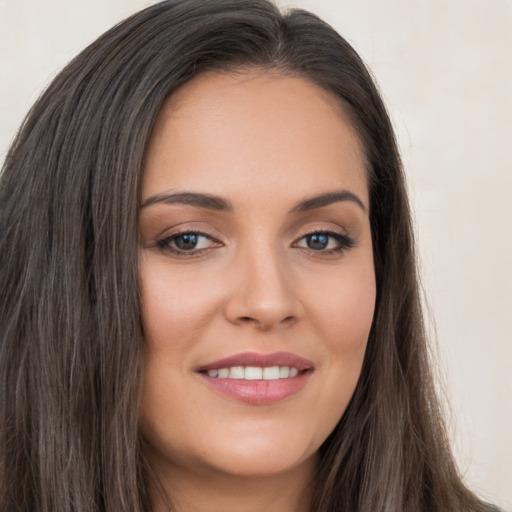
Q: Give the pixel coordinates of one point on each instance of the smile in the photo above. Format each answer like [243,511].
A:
[257,379]
[254,372]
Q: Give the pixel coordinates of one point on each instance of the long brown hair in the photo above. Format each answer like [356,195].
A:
[70,323]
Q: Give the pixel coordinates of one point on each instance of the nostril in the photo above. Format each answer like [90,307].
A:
[265,325]
[289,320]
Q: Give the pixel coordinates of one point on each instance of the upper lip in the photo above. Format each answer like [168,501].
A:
[259,360]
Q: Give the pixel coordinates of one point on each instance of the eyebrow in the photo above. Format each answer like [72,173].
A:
[327,199]
[190,198]
[217,203]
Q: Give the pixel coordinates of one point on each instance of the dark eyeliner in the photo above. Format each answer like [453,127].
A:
[345,242]
[164,244]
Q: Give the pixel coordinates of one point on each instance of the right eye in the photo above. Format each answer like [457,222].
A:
[187,243]
[325,242]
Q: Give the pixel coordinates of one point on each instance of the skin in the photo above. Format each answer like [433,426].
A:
[264,143]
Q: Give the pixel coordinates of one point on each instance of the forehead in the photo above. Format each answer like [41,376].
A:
[222,129]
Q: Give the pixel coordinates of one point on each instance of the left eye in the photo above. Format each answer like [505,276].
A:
[186,242]
[325,241]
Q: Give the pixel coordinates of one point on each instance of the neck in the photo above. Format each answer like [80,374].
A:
[210,491]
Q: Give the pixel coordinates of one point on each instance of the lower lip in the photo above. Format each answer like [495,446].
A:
[258,392]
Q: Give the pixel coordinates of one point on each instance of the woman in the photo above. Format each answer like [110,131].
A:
[210,299]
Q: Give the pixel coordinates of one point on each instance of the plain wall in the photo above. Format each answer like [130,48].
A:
[445,70]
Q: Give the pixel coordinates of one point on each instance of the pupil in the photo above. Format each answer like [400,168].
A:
[318,241]
[186,242]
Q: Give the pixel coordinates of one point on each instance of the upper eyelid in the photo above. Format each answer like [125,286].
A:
[189,231]
[166,244]
[340,237]
[176,234]
[323,230]
[327,231]
[171,232]
[335,232]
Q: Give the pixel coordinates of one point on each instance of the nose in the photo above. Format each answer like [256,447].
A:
[263,293]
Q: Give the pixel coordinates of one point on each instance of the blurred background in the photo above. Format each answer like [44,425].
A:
[444,68]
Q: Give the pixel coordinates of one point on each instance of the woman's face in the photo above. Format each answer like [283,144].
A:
[257,276]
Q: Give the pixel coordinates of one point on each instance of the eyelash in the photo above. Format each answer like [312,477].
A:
[344,242]
[165,243]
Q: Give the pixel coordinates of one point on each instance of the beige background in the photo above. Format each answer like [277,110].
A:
[445,70]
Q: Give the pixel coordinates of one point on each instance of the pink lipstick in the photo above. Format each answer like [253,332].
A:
[257,378]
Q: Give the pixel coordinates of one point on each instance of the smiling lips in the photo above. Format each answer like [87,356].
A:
[254,372]
[258,378]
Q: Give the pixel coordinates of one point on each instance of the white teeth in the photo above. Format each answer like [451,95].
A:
[284,372]
[223,373]
[271,373]
[254,372]
[237,372]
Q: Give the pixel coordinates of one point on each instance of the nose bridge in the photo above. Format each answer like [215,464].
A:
[263,291]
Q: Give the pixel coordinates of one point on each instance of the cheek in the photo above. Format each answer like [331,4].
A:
[342,316]
[175,305]
[351,320]
[342,310]
[175,309]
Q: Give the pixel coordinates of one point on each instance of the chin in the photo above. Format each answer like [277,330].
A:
[244,451]
[272,460]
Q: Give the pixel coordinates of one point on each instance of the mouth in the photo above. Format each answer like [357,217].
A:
[254,372]
[257,378]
